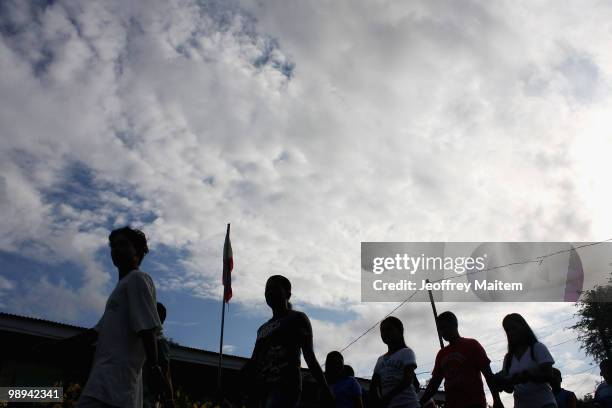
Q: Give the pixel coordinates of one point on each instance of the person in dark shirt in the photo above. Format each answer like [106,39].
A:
[460,364]
[274,368]
[346,389]
[564,398]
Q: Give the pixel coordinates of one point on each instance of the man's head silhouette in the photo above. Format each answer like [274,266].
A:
[128,247]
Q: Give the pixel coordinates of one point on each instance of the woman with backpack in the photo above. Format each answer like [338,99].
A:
[527,368]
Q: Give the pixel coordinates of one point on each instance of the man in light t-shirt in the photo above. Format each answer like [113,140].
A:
[126,333]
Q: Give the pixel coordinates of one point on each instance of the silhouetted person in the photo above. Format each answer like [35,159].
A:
[460,364]
[163,358]
[603,393]
[126,333]
[527,367]
[564,398]
[348,371]
[392,383]
[274,367]
[346,389]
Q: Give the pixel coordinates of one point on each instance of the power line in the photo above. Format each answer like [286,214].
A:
[430,363]
[538,259]
[502,358]
[377,323]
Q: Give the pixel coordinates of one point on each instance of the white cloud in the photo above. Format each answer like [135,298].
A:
[310,127]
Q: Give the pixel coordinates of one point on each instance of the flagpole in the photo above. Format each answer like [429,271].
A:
[221,343]
[222,326]
[435,313]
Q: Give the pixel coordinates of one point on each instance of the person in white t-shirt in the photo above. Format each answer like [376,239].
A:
[393,380]
[126,333]
[527,367]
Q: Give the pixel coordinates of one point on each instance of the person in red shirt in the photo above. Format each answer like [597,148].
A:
[460,364]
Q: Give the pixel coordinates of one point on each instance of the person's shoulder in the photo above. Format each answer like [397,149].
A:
[264,324]
[407,355]
[539,347]
[353,383]
[470,341]
[406,351]
[379,361]
[299,316]
[473,343]
[138,275]
[603,385]
[570,393]
[445,350]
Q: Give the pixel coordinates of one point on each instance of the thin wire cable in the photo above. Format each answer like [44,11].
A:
[538,259]
[431,363]
[377,323]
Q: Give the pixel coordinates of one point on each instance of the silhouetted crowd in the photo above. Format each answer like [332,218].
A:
[131,366]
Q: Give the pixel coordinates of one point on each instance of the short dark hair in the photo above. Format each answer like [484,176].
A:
[336,355]
[448,317]
[606,363]
[135,236]
[284,283]
[161,311]
[348,370]
[394,321]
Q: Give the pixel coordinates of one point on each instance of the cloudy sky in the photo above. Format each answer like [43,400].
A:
[310,126]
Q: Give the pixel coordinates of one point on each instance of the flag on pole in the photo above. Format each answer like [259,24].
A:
[228,265]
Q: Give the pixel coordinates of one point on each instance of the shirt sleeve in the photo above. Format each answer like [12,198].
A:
[480,355]
[142,303]
[304,327]
[408,357]
[541,354]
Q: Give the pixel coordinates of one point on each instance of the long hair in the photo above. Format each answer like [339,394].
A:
[285,284]
[397,323]
[394,321]
[529,337]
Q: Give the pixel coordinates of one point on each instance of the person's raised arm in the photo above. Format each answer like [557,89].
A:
[432,387]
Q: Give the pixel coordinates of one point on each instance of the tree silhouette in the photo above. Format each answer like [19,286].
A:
[595,321]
